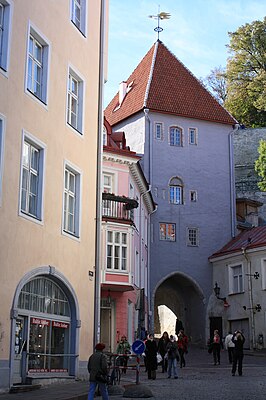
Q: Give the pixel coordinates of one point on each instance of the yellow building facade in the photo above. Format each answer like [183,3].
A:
[51,73]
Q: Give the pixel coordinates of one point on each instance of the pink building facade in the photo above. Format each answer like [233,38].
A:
[126,207]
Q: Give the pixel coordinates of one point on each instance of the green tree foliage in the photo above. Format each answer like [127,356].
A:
[260,165]
[246,74]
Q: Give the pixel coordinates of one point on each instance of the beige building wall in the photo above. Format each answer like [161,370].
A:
[27,243]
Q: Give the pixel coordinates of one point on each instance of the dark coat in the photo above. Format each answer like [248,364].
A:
[162,345]
[151,355]
[172,350]
[238,339]
[97,363]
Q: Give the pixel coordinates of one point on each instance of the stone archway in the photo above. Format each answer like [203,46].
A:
[184,297]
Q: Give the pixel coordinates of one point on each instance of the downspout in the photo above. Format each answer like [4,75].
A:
[250,293]
[232,181]
[97,291]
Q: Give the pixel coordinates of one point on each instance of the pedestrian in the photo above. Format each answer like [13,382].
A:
[151,357]
[182,344]
[238,339]
[123,348]
[163,341]
[178,326]
[98,369]
[229,346]
[173,357]
[217,344]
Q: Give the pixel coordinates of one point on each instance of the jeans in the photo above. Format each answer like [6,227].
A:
[172,363]
[103,390]
[237,363]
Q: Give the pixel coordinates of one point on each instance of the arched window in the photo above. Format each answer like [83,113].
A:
[176,136]
[176,191]
[45,296]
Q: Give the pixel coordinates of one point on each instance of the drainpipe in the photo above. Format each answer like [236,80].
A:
[250,293]
[232,181]
[97,291]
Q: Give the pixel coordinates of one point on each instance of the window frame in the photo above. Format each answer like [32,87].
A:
[195,142]
[193,196]
[5,37]
[2,152]
[75,234]
[174,142]
[45,65]
[263,273]
[168,237]
[123,258]
[79,128]
[156,125]
[231,274]
[82,26]
[194,243]
[174,189]
[41,147]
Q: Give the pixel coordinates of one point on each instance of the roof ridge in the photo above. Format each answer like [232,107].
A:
[151,74]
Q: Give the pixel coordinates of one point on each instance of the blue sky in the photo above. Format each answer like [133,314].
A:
[196,33]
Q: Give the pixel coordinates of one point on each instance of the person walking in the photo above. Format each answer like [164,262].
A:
[123,348]
[173,357]
[182,344]
[98,369]
[163,341]
[151,357]
[216,347]
[229,346]
[178,326]
[238,339]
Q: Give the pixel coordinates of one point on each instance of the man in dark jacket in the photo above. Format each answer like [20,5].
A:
[97,364]
[238,339]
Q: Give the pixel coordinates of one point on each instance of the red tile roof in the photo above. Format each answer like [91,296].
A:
[250,239]
[163,84]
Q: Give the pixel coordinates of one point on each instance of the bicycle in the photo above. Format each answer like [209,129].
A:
[115,377]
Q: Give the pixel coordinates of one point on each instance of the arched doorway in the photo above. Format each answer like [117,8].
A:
[44,327]
[182,298]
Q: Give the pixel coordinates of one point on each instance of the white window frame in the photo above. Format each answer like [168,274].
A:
[41,147]
[77,195]
[240,279]
[192,237]
[263,274]
[2,145]
[177,140]
[117,260]
[81,24]
[104,136]
[176,191]
[5,34]
[72,76]
[193,196]
[107,189]
[164,234]
[44,65]
[158,130]
[195,141]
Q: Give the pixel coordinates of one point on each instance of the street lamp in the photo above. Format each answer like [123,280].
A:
[217,292]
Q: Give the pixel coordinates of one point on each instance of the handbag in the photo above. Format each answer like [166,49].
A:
[159,358]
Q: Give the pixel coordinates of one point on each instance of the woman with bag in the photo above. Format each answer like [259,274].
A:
[98,369]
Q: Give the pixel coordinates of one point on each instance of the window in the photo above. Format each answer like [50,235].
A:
[176,136]
[107,183]
[75,101]
[104,136]
[37,67]
[158,131]
[2,127]
[176,191]
[192,132]
[78,14]
[5,18]
[32,178]
[192,237]
[117,251]
[236,279]
[193,195]
[167,232]
[263,274]
[72,186]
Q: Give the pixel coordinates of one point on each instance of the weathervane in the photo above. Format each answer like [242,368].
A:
[159,16]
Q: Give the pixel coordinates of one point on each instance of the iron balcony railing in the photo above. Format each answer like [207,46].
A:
[118,207]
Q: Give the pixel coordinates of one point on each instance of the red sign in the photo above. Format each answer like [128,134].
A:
[57,324]
[40,321]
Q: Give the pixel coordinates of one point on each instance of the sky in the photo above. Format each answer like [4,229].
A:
[196,33]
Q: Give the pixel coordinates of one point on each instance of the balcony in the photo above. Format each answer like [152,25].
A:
[118,208]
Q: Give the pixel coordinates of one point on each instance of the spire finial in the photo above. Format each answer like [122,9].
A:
[159,16]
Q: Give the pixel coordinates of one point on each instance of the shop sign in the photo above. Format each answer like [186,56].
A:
[57,324]
[40,321]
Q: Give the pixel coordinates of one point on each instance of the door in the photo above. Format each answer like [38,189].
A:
[19,351]
[242,325]
[216,323]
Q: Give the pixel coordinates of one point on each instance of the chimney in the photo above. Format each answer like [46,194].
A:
[122,91]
